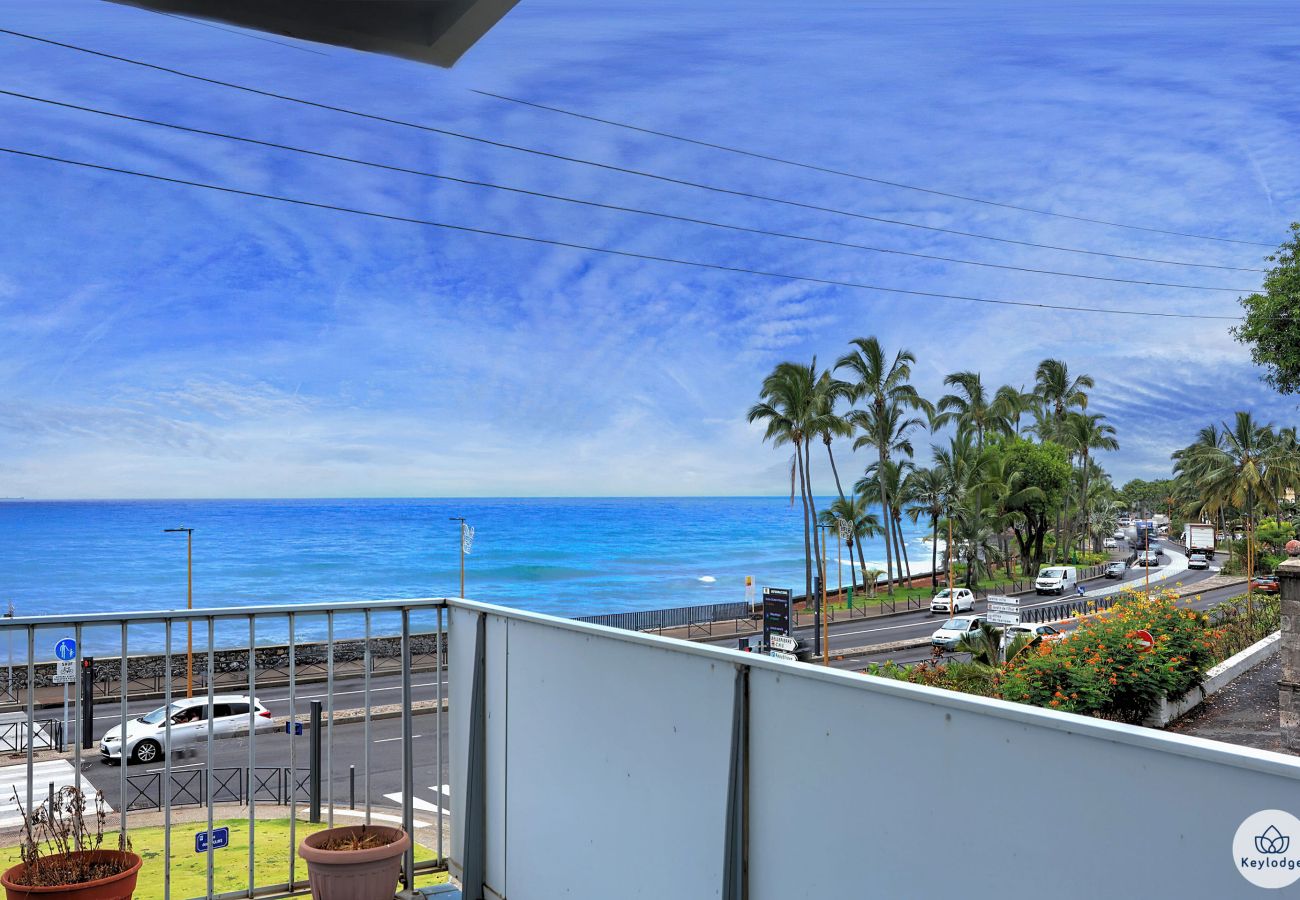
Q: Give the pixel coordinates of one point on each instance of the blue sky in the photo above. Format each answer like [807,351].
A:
[158,341]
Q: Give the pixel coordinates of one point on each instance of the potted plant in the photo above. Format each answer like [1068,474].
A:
[355,862]
[63,858]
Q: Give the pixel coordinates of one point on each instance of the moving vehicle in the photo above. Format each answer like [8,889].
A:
[954,630]
[1119,534]
[1199,536]
[962,600]
[1266,584]
[1114,570]
[1198,560]
[1108,544]
[1147,558]
[146,736]
[1056,580]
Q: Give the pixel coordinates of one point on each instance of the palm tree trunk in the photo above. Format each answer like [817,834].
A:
[902,544]
[807,548]
[934,552]
[884,512]
[812,506]
[840,488]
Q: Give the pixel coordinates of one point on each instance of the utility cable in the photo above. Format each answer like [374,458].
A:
[629,254]
[856,175]
[607,206]
[607,166]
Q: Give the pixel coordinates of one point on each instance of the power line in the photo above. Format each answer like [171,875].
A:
[857,175]
[629,254]
[609,166]
[607,206]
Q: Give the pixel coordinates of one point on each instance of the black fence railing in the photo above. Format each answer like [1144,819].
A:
[677,617]
[221,784]
[1054,612]
[45,734]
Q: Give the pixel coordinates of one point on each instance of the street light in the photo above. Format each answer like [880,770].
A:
[189,604]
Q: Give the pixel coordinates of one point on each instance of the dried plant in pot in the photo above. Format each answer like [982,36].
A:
[355,862]
[62,857]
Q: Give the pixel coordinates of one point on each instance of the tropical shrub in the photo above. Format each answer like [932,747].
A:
[1101,670]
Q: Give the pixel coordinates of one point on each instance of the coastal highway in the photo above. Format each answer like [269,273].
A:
[847,634]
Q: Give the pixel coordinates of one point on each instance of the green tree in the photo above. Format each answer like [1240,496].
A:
[1272,324]
[883,386]
[926,496]
[1038,475]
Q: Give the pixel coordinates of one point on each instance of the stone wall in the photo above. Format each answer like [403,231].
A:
[309,658]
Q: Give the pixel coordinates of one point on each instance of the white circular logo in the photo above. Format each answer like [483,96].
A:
[1266,849]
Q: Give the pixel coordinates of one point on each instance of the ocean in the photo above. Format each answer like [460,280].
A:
[566,557]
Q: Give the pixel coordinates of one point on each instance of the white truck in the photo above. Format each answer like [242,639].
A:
[1199,537]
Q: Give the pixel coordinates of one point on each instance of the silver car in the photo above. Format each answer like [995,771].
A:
[143,739]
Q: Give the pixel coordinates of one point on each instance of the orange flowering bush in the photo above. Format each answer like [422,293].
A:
[1100,669]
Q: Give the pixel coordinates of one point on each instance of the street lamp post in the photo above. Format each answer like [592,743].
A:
[461,520]
[189,604]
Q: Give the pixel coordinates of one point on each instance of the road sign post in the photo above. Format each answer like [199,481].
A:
[776,614]
[1003,610]
[65,651]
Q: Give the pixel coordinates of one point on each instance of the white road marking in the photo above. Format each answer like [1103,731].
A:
[418,803]
[398,738]
[57,771]
[380,817]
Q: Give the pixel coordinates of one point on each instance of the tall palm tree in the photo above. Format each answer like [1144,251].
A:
[1010,404]
[971,408]
[883,386]
[827,425]
[1081,433]
[926,495]
[892,475]
[786,404]
[1059,393]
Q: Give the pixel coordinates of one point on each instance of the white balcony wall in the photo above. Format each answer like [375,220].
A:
[608,761]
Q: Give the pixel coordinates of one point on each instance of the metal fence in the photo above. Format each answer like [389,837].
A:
[45,734]
[1054,612]
[247,763]
[677,617]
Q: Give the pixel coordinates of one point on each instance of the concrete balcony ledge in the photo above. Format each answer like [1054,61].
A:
[1216,679]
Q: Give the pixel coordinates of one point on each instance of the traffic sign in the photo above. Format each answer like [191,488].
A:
[781,654]
[66,673]
[216,839]
[1003,618]
[998,600]
[783,642]
[1144,639]
[294,728]
[65,649]
[776,610]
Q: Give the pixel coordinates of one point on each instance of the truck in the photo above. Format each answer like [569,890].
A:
[1139,532]
[1199,537]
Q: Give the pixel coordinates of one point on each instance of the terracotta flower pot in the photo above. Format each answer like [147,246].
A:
[354,874]
[115,887]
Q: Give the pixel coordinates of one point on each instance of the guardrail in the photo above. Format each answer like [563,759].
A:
[688,617]
[289,768]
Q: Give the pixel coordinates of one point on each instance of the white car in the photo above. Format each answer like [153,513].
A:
[1198,561]
[1119,534]
[1108,544]
[961,600]
[146,736]
[954,630]
[1056,580]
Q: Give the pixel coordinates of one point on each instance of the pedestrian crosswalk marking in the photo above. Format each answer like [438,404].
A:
[424,805]
[58,772]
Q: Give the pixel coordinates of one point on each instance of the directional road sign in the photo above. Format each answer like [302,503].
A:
[781,654]
[216,839]
[783,642]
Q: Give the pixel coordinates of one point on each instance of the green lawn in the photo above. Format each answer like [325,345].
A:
[189,870]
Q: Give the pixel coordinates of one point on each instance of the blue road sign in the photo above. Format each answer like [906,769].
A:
[219,837]
[293,728]
[66,649]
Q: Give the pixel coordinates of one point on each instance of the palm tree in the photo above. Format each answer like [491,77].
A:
[787,401]
[864,524]
[828,425]
[1082,433]
[1009,404]
[883,386]
[926,493]
[971,408]
[1058,393]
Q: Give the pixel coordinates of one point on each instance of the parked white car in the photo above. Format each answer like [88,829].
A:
[961,600]
[954,630]
[146,737]
[1056,580]
[1044,631]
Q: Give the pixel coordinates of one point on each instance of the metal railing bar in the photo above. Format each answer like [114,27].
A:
[167,764]
[328,774]
[224,613]
[252,751]
[437,725]
[122,732]
[76,712]
[408,763]
[293,755]
[365,778]
[31,715]
[212,733]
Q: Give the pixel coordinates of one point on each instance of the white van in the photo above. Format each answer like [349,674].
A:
[1056,580]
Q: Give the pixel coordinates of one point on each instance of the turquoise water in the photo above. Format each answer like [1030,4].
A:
[561,556]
